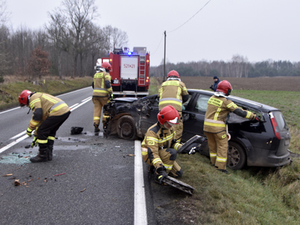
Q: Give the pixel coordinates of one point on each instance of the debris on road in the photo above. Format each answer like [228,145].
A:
[8,175]
[58,174]
[76,130]
[17,182]
[83,190]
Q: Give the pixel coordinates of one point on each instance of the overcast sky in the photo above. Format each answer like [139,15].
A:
[196,29]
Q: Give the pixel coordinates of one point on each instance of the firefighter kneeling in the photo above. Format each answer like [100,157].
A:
[159,147]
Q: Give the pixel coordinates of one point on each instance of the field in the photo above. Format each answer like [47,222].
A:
[264,83]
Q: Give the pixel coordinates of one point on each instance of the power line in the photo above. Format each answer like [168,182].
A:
[190,18]
[158,45]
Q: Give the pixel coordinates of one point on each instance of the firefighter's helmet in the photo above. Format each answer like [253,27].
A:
[173,73]
[168,114]
[24,97]
[225,87]
[106,65]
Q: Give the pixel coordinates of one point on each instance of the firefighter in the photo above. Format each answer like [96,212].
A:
[218,108]
[49,113]
[173,92]
[159,148]
[102,92]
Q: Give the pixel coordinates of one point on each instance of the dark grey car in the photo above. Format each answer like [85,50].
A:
[251,143]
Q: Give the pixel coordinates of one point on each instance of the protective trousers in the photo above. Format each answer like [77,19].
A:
[218,147]
[168,157]
[99,102]
[47,130]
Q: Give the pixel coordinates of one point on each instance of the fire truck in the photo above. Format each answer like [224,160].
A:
[130,71]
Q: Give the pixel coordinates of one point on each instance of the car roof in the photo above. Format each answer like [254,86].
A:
[240,101]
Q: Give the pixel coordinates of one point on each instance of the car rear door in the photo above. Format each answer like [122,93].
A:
[193,115]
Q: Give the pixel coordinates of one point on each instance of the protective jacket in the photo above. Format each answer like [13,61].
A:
[102,84]
[218,107]
[43,106]
[173,92]
[157,139]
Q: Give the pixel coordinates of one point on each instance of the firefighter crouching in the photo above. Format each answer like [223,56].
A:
[159,148]
[102,92]
[218,108]
[173,92]
[49,113]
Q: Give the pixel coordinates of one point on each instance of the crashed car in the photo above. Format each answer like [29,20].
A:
[263,143]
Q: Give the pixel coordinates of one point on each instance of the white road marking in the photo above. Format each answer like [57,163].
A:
[13,143]
[9,110]
[140,212]
[18,135]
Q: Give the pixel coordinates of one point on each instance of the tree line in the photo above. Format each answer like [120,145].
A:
[239,66]
[68,44]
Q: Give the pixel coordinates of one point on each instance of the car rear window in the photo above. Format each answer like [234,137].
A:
[280,120]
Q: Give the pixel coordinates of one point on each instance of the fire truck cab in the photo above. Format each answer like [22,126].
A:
[130,71]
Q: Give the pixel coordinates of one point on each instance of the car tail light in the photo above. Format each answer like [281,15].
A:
[275,125]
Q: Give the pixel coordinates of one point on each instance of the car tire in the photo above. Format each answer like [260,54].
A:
[126,128]
[236,156]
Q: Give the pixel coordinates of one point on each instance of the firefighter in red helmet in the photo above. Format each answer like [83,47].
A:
[49,113]
[102,92]
[218,108]
[159,147]
[173,92]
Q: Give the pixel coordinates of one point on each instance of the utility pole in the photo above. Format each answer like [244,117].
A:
[165,56]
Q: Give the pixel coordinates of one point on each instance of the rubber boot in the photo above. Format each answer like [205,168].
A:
[42,156]
[50,149]
[50,152]
[96,128]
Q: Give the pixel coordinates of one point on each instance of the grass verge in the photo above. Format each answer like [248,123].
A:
[10,92]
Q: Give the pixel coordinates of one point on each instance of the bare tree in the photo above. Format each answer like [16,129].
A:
[3,12]
[117,38]
[69,27]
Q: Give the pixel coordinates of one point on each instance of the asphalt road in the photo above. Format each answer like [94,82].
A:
[89,181]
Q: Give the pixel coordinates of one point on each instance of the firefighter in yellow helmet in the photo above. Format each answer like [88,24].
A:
[159,148]
[173,92]
[102,92]
[218,108]
[49,113]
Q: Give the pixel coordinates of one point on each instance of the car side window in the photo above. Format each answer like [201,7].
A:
[201,104]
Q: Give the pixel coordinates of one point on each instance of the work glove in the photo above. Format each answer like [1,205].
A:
[211,87]
[161,171]
[256,118]
[34,142]
[28,132]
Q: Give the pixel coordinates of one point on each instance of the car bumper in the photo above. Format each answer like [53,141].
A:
[270,160]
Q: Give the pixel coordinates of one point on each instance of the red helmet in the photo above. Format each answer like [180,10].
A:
[24,97]
[168,114]
[173,73]
[106,65]
[225,87]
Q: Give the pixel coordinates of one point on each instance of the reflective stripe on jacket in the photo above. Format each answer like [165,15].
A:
[158,138]
[170,93]
[50,105]
[99,84]
[218,108]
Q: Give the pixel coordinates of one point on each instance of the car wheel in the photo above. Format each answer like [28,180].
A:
[126,128]
[236,157]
